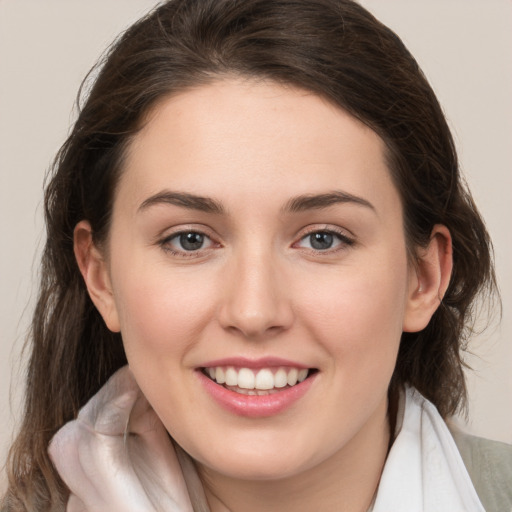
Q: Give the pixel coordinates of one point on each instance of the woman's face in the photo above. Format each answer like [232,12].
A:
[257,237]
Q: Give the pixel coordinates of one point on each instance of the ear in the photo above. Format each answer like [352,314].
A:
[94,270]
[429,279]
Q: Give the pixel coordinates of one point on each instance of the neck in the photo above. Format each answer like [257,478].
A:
[345,482]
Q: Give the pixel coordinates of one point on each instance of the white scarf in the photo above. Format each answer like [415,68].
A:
[117,457]
[424,471]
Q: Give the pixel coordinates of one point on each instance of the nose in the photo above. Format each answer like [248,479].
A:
[256,303]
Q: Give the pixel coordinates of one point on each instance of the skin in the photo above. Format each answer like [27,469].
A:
[257,288]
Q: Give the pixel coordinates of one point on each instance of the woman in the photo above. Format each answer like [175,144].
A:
[259,210]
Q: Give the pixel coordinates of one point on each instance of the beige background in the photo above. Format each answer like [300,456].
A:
[47,46]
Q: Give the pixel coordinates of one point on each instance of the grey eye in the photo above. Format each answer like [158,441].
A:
[324,241]
[321,240]
[187,242]
[191,241]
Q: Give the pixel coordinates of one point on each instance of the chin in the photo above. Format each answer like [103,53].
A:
[257,464]
[257,471]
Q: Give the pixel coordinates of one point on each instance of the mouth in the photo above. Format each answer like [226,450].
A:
[260,382]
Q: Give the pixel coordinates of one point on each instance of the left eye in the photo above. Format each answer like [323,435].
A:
[188,241]
[323,240]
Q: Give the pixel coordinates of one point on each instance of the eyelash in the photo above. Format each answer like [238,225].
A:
[344,242]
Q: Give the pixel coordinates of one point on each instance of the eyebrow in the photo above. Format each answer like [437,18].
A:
[295,205]
[318,201]
[189,201]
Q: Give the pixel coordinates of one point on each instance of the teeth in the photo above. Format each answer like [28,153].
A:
[220,376]
[231,377]
[302,375]
[280,378]
[252,382]
[245,379]
[264,379]
[292,376]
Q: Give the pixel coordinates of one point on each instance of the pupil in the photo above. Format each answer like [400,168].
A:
[321,240]
[191,241]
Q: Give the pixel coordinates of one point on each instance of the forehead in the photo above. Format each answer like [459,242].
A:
[244,138]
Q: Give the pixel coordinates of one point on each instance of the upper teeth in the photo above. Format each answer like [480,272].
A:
[263,379]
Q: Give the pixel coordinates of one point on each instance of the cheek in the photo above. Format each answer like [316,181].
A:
[162,311]
[358,315]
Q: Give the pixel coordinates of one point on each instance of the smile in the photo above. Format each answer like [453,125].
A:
[256,389]
[248,381]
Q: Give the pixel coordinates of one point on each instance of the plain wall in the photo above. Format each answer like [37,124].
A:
[46,48]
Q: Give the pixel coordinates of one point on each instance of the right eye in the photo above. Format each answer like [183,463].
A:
[185,242]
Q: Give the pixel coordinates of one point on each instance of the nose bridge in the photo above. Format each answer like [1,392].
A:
[256,302]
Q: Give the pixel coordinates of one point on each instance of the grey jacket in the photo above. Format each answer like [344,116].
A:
[489,464]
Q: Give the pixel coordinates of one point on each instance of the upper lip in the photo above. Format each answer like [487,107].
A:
[263,362]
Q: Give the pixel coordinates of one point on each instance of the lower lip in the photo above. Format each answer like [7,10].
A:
[255,406]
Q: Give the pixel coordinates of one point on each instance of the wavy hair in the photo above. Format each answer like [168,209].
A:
[333,48]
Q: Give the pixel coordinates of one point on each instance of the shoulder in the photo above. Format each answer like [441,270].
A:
[489,464]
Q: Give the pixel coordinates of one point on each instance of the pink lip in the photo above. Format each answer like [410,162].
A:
[254,406]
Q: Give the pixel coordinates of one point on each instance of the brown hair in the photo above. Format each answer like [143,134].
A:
[334,48]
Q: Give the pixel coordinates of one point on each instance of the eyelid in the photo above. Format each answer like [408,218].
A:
[171,231]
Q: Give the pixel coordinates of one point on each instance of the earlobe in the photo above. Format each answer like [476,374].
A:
[429,280]
[94,270]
